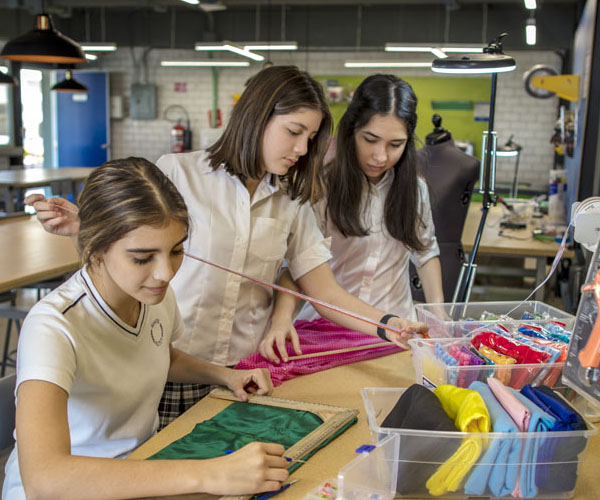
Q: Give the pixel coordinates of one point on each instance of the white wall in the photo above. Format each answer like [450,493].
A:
[530,120]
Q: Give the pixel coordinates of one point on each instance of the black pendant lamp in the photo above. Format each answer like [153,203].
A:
[7,79]
[69,84]
[43,45]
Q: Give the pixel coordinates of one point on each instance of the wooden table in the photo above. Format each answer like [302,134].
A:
[340,387]
[30,254]
[510,245]
[15,182]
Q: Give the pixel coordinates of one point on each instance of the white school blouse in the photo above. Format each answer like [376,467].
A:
[374,268]
[226,316]
[114,373]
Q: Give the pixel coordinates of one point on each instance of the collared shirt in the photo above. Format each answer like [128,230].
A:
[225,316]
[374,268]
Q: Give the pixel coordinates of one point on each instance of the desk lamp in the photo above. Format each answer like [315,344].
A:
[492,61]
[512,149]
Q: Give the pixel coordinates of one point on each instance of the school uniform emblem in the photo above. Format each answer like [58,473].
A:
[157,332]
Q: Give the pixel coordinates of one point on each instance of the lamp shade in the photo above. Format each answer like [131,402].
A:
[474,64]
[7,79]
[44,45]
[69,84]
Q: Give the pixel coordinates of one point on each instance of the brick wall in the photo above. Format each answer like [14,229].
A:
[530,120]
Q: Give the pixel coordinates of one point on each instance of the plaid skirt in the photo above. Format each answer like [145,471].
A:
[177,398]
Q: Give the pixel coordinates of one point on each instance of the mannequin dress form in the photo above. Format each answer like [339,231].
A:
[451,175]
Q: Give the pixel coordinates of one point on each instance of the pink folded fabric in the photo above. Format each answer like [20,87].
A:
[315,336]
[517,411]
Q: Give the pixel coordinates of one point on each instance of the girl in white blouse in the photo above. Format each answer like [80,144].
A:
[94,355]
[376,209]
[247,196]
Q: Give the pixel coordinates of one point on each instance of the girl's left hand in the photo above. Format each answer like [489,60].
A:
[242,382]
[409,329]
[278,333]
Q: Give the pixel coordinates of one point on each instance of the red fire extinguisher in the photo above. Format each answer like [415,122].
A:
[177,138]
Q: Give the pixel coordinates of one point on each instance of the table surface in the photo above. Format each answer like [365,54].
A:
[339,386]
[30,254]
[493,244]
[32,177]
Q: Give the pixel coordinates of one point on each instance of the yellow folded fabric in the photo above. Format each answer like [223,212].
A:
[468,410]
[502,374]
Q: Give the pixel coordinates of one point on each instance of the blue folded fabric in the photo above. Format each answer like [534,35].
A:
[499,467]
[564,417]
[561,474]
[540,421]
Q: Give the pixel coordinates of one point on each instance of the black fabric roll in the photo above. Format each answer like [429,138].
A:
[418,408]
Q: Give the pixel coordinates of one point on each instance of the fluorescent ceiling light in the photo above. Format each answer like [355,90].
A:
[191,2]
[438,52]
[271,46]
[530,31]
[530,4]
[394,47]
[205,64]
[98,47]
[211,5]
[358,64]
[231,47]
[91,57]
[463,50]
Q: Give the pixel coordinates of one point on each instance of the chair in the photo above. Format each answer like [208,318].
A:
[7,411]
[12,314]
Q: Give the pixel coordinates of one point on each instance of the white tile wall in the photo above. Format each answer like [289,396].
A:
[530,120]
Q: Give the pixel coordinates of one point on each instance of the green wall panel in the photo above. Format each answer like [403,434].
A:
[429,89]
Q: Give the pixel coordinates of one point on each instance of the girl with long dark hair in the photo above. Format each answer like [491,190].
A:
[376,208]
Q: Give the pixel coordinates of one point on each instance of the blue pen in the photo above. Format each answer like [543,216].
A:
[289,459]
[273,493]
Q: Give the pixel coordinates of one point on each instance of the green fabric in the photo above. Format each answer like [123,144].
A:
[240,424]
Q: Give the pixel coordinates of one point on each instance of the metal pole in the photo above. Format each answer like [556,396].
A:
[488,198]
[515,186]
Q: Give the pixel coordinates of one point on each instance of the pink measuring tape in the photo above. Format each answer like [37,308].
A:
[298,295]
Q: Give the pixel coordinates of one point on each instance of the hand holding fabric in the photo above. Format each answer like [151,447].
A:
[243,382]
[279,331]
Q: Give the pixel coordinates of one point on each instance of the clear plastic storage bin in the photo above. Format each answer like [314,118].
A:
[460,319]
[431,371]
[553,457]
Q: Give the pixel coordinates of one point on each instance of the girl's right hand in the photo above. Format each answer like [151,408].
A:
[63,222]
[255,468]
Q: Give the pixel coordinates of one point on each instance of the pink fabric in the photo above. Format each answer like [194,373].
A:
[319,335]
[517,411]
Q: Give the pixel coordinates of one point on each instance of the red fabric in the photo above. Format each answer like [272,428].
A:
[319,335]
[522,353]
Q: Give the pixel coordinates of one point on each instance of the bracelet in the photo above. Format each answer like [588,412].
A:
[380,331]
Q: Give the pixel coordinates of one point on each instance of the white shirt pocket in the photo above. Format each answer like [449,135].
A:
[268,238]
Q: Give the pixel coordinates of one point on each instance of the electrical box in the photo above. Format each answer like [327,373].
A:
[116,106]
[142,105]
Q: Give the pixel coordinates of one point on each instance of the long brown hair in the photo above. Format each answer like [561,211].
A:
[345,181]
[277,90]
[120,196]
